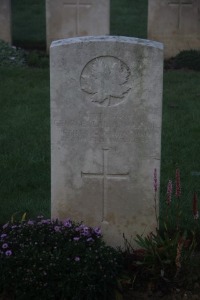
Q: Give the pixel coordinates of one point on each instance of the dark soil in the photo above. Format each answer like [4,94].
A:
[175,294]
[171,294]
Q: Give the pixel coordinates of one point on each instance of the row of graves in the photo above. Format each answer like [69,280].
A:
[175,23]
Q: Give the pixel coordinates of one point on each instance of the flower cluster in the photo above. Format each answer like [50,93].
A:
[45,251]
[4,246]
[15,232]
[166,254]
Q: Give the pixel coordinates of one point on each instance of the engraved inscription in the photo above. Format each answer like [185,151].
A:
[125,136]
[180,4]
[106,80]
[77,5]
[113,128]
[105,176]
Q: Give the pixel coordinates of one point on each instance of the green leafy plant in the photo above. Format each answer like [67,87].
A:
[11,56]
[165,255]
[44,259]
[186,59]
[18,217]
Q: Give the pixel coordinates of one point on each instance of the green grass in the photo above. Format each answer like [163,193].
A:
[181,133]
[24,140]
[24,126]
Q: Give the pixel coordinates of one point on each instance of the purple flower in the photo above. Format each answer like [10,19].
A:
[30,222]
[3,235]
[14,226]
[97,231]
[40,217]
[5,225]
[90,239]
[5,246]
[57,228]
[67,223]
[79,228]
[47,221]
[76,238]
[77,258]
[85,231]
[8,253]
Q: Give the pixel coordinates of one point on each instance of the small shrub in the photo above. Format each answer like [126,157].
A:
[44,259]
[187,59]
[11,56]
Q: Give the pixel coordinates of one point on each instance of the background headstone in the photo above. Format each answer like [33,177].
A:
[175,23]
[106,103]
[71,18]
[5,21]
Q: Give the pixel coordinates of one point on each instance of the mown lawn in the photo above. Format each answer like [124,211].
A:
[25,142]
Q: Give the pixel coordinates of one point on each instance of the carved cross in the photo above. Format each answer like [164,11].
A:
[77,4]
[105,176]
[180,4]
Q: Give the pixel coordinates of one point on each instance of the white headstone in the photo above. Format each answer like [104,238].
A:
[5,21]
[175,23]
[106,104]
[71,18]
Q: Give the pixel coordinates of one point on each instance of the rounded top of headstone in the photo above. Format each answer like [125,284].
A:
[105,38]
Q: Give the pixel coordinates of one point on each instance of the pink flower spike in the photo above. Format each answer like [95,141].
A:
[169,192]
[178,184]
[155,181]
[195,207]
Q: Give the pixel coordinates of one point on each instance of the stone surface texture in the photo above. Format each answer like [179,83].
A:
[72,18]
[5,21]
[106,112]
[175,23]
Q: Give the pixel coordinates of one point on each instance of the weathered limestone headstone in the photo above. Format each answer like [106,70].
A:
[176,23]
[106,102]
[5,21]
[71,18]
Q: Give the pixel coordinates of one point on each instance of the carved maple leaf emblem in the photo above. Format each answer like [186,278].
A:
[106,79]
